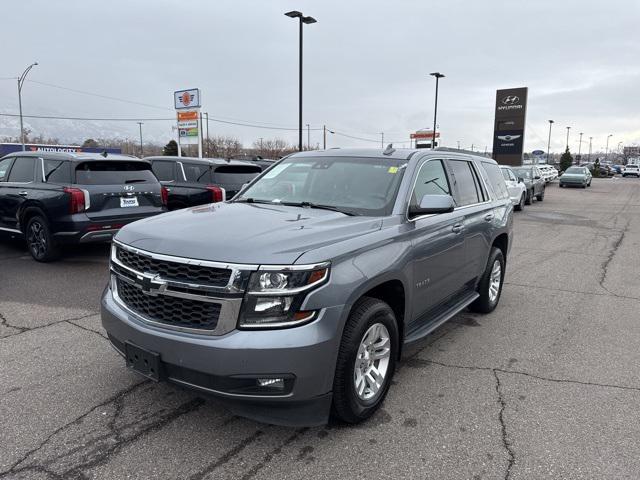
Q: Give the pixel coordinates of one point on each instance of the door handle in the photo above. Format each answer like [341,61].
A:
[488,217]
[457,228]
[23,194]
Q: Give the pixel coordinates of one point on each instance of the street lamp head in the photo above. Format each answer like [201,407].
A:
[308,20]
[551,121]
[294,14]
[437,74]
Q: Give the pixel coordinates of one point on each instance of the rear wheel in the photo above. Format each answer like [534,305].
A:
[490,286]
[540,196]
[529,199]
[366,360]
[41,245]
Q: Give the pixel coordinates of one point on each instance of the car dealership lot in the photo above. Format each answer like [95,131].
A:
[547,386]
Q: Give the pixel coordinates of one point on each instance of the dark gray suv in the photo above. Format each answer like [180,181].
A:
[297,297]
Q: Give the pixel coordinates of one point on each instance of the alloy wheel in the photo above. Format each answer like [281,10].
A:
[495,280]
[372,362]
[37,239]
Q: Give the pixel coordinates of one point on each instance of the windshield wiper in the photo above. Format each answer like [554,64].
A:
[318,206]
[251,200]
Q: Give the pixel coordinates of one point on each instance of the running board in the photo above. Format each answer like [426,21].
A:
[443,317]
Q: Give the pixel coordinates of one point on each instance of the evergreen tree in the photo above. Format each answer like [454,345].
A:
[170,149]
[566,160]
[90,142]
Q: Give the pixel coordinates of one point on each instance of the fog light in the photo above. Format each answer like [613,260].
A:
[275,383]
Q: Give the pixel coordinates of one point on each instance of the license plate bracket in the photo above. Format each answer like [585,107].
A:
[143,361]
[129,202]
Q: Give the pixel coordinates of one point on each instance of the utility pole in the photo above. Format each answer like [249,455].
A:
[382,140]
[261,149]
[590,140]
[308,137]
[324,136]
[141,150]
[458,144]
[21,80]
[568,128]
[208,142]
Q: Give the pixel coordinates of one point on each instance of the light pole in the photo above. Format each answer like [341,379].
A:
[606,152]
[21,80]
[324,136]
[303,20]
[458,144]
[568,128]
[438,76]
[551,122]
[382,139]
[141,151]
[580,145]
[590,141]
[308,137]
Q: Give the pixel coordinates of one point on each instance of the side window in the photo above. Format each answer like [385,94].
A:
[431,180]
[164,171]
[496,180]
[466,183]
[56,171]
[197,173]
[22,170]
[4,168]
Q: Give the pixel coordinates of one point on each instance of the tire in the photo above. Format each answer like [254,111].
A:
[540,197]
[348,405]
[489,298]
[561,185]
[589,184]
[584,185]
[529,199]
[520,205]
[40,242]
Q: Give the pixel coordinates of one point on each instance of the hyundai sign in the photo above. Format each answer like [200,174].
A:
[508,132]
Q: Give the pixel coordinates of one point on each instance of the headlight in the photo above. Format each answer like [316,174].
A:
[276,294]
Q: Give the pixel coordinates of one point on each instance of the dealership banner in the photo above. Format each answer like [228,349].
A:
[509,126]
[188,127]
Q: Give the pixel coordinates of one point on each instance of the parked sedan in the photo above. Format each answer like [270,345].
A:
[515,186]
[577,177]
[533,181]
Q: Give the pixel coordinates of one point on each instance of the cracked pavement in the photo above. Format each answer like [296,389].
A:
[547,386]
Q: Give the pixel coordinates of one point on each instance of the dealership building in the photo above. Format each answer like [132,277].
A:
[7,148]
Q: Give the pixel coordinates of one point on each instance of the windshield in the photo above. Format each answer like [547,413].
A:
[358,186]
[523,172]
[575,170]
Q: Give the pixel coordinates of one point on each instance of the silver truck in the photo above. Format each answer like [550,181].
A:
[296,299]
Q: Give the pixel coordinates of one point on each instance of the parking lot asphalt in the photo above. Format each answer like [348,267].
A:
[547,386]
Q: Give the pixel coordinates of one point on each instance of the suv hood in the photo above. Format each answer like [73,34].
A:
[243,232]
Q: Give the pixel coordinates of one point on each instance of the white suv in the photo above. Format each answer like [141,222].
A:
[631,170]
[517,189]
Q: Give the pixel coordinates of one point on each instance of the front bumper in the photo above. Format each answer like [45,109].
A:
[209,364]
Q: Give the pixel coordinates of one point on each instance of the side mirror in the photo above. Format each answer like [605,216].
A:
[537,177]
[520,180]
[433,204]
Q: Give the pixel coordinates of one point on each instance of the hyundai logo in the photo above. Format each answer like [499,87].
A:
[510,100]
[129,188]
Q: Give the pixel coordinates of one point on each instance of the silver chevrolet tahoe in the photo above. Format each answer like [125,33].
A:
[295,299]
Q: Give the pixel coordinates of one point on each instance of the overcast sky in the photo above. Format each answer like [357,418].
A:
[366,66]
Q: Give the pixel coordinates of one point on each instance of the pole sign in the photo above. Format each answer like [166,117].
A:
[187,98]
[509,126]
[187,105]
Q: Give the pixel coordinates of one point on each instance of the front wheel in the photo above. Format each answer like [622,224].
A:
[529,199]
[40,241]
[366,360]
[490,286]
[520,205]
[540,196]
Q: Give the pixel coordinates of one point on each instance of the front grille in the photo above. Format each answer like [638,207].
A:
[217,277]
[171,311]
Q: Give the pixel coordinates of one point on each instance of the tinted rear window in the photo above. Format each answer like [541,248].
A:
[22,170]
[235,174]
[496,180]
[197,173]
[57,171]
[114,173]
